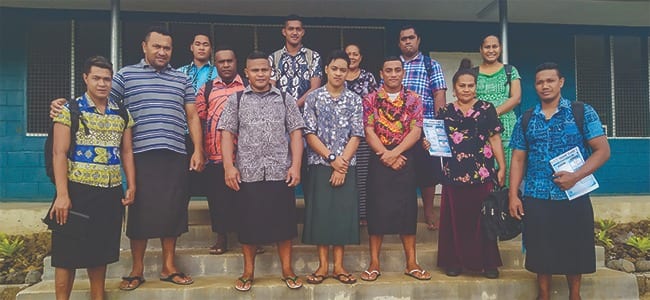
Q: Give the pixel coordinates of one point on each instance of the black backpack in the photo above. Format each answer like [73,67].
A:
[75,118]
[496,222]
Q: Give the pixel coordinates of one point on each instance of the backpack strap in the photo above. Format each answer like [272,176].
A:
[525,120]
[475,70]
[75,118]
[277,55]
[207,89]
[245,82]
[428,66]
[578,110]
[124,113]
[309,56]
[508,69]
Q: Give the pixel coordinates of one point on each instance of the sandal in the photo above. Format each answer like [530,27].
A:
[346,278]
[370,275]
[171,277]
[259,250]
[315,278]
[292,283]
[424,275]
[130,279]
[220,247]
[246,284]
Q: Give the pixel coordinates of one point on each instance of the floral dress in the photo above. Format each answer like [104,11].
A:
[472,160]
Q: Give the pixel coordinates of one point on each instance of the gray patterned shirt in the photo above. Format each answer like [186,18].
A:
[333,121]
[262,122]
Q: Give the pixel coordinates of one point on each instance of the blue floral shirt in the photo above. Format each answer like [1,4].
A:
[546,139]
[333,121]
[199,76]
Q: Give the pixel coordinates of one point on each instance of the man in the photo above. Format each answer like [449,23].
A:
[200,69]
[221,200]
[150,90]
[558,233]
[424,76]
[295,69]
[393,125]
[91,184]
[268,127]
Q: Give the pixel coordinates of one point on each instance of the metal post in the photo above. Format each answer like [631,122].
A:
[503,22]
[115,34]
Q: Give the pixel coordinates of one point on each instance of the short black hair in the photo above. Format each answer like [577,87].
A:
[97,61]
[293,17]
[157,29]
[203,34]
[549,66]
[489,35]
[465,68]
[409,26]
[391,58]
[257,55]
[337,54]
[224,47]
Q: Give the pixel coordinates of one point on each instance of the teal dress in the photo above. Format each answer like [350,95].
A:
[493,89]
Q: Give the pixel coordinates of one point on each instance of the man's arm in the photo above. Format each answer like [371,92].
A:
[128,164]
[296,147]
[60,147]
[439,100]
[600,154]
[517,167]
[197,161]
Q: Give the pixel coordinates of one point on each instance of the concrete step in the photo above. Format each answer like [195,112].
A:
[198,262]
[513,284]
[201,236]
[199,214]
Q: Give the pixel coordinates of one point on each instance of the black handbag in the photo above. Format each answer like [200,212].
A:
[496,222]
[77,225]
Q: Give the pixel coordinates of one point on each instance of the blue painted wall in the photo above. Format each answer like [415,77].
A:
[22,176]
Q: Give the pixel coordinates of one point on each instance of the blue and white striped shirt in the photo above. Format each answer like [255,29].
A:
[156,100]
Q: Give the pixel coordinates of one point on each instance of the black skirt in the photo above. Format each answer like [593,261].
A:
[161,197]
[392,198]
[267,212]
[559,236]
[221,200]
[101,245]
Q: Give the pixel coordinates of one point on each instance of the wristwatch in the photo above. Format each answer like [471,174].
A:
[331,157]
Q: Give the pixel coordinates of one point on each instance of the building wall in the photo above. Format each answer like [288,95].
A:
[22,176]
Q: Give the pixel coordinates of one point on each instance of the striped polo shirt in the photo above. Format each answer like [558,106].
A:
[156,100]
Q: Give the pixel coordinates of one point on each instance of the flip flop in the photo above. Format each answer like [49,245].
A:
[423,275]
[259,250]
[171,277]
[247,284]
[218,249]
[291,282]
[315,278]
[348,278]
[372,275]
[131,279]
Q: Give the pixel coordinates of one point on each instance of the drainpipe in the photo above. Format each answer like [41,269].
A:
[503,23]
[115,34]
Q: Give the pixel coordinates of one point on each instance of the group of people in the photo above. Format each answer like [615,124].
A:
[355,143]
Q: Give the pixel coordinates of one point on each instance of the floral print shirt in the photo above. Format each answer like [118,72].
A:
[472,159]
[362,85]
[392,121]
[333,121]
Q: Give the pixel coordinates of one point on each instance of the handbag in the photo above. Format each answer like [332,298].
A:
[496,222]
[77,225]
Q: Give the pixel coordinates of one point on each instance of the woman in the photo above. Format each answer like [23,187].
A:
[89,182]
[333,118]
[492,86]
[362,83]
[473,130]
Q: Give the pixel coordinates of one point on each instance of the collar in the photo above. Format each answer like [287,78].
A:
[143,64]
[301,50]
[563,104]
[273,89]
[237,79]
[193,65]
[416,58]
[382,91]
[88,102]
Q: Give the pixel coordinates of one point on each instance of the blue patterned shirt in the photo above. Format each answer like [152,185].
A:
[293,74]
[417,79]
[333,121]
[548,139]
[199,76]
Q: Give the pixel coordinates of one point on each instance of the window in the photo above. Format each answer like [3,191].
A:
[612,76]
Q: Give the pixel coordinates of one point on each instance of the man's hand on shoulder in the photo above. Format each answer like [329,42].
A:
[56,107]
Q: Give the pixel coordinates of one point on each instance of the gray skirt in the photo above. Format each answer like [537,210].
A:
[162,196]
